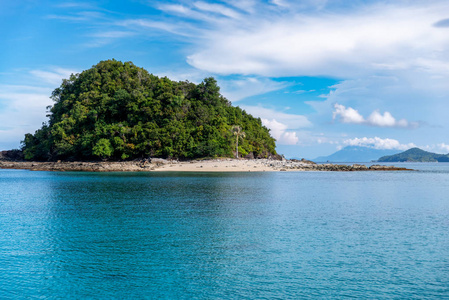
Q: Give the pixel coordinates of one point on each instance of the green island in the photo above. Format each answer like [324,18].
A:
[118,111]
[116,116]
[415,155]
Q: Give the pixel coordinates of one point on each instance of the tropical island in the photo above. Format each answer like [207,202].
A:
[118,111]
[116,116]
[415,155]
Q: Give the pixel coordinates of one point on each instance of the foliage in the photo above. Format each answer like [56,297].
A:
[415,155]
[117,111]
[103,148]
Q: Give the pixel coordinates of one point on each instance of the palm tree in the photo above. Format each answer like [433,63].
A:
[237,130]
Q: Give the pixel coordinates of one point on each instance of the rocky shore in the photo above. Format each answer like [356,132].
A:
[210,165]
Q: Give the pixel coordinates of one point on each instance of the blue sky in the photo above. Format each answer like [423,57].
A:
[320,74]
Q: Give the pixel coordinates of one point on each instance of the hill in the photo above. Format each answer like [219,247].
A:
[117,111]
[415,155]
[355,154]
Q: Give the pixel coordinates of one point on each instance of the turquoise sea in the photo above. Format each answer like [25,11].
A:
[283,235]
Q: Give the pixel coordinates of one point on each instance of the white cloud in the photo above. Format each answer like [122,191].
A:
[284,127]
[83,16]
[385,120]
[378,143]
[352,116]
[54,76]
[345,43]
[290,120]
[217,8]
[24,107]
[238,89]
[443,147]
[289,138]
[347,115]
[281,3]
[244,5]
[24,111]
[280,133]
[176,8]
[192,75]
[148,27]
[190,13]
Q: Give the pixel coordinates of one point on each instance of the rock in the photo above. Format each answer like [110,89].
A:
[359,167]
[250,156]
[11,155]
[159,161]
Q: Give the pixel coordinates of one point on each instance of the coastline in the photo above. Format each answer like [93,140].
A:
[208,165]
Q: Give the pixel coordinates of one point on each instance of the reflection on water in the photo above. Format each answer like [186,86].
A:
[224,235]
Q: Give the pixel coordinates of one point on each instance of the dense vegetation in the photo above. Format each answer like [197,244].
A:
[415,155]
[117,111]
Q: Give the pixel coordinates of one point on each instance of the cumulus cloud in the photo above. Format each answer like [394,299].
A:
[385,120]
[347,115]
[280,133]
[351,116]
[378,143]
[283,127]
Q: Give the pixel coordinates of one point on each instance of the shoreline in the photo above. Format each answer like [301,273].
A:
[208,165]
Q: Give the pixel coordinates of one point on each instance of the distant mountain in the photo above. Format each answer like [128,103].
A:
[355,154]
[415,155]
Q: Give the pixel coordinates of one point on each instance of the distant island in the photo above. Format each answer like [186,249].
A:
[118,111]
[415,155]
[356,154]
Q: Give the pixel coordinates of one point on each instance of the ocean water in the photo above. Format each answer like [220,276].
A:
[284,235]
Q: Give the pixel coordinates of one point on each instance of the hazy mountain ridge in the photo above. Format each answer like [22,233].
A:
[356,154]
[415,155]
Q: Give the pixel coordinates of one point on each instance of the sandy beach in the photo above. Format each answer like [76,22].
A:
[228,165]
[209,165]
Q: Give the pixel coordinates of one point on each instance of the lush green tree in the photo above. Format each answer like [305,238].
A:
[103,148]
[117,111]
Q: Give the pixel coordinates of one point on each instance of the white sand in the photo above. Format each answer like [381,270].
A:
[225,165]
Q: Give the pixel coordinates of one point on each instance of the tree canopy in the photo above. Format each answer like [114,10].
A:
[117,111]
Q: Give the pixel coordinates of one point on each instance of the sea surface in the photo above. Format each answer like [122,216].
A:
[267,235]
